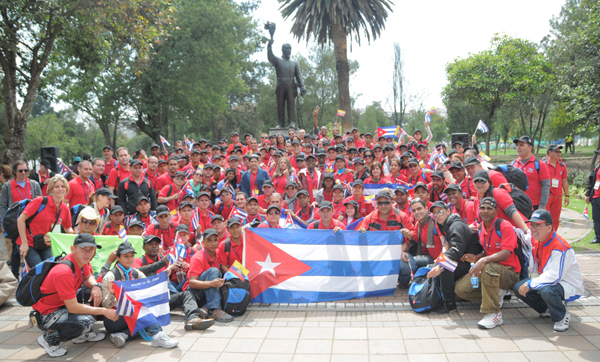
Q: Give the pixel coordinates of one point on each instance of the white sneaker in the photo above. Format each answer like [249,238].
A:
[501,293]
[89,337]
[563,325]
[162,340]
[52,351]
[491,321]
[545,314]
[118,339]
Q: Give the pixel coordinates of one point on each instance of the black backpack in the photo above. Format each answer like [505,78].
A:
[515,175]
[425,294]
[521,200]
[9,219]
[235,296]
[29,290]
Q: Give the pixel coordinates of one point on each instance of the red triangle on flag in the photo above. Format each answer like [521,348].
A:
[268,265]
[380,132]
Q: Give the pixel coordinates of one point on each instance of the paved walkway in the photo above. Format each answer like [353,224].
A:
[375,329]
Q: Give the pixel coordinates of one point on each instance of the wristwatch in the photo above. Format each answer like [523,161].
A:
[97,285]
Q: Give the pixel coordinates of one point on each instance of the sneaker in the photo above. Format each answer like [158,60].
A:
[118,339]
[490,321]
[89,337]
[199,324]
[52,351]
[221,316]
[162,340]
[563,325]
[501,293]
[545,314]
[508,295]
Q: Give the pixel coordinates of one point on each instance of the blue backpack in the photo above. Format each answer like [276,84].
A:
[9,219]
[235,296]
[425,294]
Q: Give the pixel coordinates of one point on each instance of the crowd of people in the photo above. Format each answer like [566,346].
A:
[443,200]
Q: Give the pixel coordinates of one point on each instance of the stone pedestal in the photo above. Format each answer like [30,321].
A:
[281,131]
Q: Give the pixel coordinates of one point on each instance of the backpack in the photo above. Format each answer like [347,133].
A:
[75,211]
[425,294]
[119,275]
[9,219]
[521,200]
[522,251]
[536,164]
[515,175]
[29,292]
[235,296]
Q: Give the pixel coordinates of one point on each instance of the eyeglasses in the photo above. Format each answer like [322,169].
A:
[383,203]
[479,181]
[439,213]
[413,166]
[21,171]
[88,222]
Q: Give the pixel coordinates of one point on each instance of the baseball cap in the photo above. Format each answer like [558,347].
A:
[440,204]
[136,223]
[554,147]
[150,238]
[185,203]
[217,217]
[540,216]
[481,175]
[103,191]
[457,164]
[421,184]
[233,220]
[358,182]
[109,147]
[401,189]
[291,183]
[209,232]
[413,160]
[268,183]
[472,160]
[337,187]
[358,160]
[85,240]
[116,209]
[203,193]
[525,139]
[451,187]
[182,228]
[124,248]
[154,145]
[162,210]
[302,192]
[385,194]
[490,201]
[438,174]
[179,173]
[352,202]
[325,205]
[77,159]
[272,206]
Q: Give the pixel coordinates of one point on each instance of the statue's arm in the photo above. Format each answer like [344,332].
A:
[299,77]
[272,58]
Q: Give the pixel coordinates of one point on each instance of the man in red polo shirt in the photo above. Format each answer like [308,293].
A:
[116,221]
[536,171]
[273,216]
[497,267]
[416,174]
[81,188]
[232,248]
[226,204]
[303,212]
[457,169]
[109,162]
[402,202]
[167,178]
[62,316]
[165,229]
[326,222]
[170,195]
[558,183]
[121,171]
[358,142]
[151,172]
[385,218]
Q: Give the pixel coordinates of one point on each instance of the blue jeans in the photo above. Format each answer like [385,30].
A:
[415,263]
[211,296]
[549,297]
[175,288]
[65,326]
[34,257]
[120,326]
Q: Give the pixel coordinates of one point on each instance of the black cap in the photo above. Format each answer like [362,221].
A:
[142,198]
[209,165]
[490,201]
[109,147]
[481,175]
[267,183]
[472,160]
[194,150]
[136,223]
[358,182]
[302,192]
[154,145]
[440,204]
[451,187]
[368,134]
[340,157]
[422,145]
[438,174]
[385,194]
[358,160]
[234,158]
[525,139]
[300,158]
[325,205]
[252,199]
[208,233]
[352,202]
[329,175]
[291,183]
[401,189]
[134,162]
[402,146]
[234,134]
[233,220]
[179,149]
[458,143]
[417,130]
[150,238]
[389,146]
[540,216]
[162,210]
[554,147]
[186,203]
[310,156]
[85,240]
[203,193]
[116,209]
[337,187]
[413,160]
[273,206]
[161,161]
[182,228]
[278,153]
[103,191]
[451,152]
[296,142]
[421,184]
[376,146]
[180,173]
[406,154]
[217,217]
[45,163]
[124,248]
[352,150]
[456,164]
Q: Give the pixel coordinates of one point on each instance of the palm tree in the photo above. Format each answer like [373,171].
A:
[334,20]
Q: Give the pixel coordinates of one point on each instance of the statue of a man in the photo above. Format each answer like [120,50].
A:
[288,79]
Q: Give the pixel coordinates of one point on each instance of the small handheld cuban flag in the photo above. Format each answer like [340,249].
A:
[446,263]
[24,270]
[62,168]
[125,307]
[123,233]
[188,143]
[482,127]
[195,219]
[586,213]
[178,250]
[239,213]
[164,141]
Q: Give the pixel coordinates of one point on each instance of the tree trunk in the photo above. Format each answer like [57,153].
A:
[342,67]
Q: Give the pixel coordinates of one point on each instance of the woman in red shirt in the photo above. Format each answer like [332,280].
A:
[283,173]
[55,213]
[376,174]
[395,176]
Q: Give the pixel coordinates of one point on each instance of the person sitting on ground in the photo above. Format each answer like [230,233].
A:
[205,278]
[497,266]
[231,249]
[559,279]
[118,329]
[181,266]
[87,222]
[62,317]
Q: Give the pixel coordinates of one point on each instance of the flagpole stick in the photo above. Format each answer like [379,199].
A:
[245,241]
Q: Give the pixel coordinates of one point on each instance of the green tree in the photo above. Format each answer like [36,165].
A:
[373,117]
[30,31]
[333,21]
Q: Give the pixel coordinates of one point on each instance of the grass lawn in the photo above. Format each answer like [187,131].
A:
[511,153]
[578,205]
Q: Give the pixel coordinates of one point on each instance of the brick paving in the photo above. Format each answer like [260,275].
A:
[375,329]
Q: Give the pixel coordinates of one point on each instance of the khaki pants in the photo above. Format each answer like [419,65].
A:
[493,278]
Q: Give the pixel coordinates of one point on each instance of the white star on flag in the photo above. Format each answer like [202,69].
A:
[268,265]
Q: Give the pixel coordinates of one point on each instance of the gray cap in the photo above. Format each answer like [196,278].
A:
[85,240]
[124,248]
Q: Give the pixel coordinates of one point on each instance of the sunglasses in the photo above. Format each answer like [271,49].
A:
[88,222]
[180,178]
[486,208]
[198,174]
[479,181]
[439,213]
[383,203]
[21,171]
[413,166]
[273,213]
[377,151]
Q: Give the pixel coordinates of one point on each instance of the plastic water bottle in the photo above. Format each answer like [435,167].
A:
[474,280]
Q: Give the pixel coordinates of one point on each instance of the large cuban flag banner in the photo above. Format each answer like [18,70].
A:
[298,266]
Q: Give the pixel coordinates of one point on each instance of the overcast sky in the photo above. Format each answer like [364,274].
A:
[432,34]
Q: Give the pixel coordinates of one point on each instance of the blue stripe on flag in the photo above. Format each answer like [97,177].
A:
[334,268]
[287,296]
[283,236]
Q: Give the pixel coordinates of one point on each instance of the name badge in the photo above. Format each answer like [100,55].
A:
[554,182]
[597,185]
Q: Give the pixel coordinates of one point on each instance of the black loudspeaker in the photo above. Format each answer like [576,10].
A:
[460,137]
[51,153]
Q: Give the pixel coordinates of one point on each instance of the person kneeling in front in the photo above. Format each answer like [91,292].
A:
[119,331]
[205,279]
[62,318]
[559,278]
[497,267]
